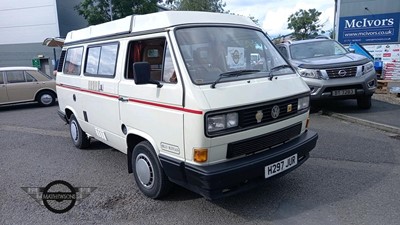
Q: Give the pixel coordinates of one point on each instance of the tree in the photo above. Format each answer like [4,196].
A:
[304,23]
[100,11]
[254,20]
[201,5]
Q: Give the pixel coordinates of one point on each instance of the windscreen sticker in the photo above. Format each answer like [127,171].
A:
[236,58]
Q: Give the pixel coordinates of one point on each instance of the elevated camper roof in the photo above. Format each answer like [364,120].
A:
[153,21]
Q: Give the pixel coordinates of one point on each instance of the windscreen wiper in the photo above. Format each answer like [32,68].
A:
[277,68]
[235,73]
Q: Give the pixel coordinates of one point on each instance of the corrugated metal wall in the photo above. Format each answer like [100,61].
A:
[24,25]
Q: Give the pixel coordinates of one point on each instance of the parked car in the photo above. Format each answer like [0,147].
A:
[26,84]
[331,71]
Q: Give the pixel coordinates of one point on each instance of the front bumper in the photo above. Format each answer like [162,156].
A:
[62,115]
[323,89]
[231,177]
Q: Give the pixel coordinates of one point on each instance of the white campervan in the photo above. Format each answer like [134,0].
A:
[177,92]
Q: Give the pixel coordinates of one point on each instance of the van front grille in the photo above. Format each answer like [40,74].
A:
[248,116]
[263,142]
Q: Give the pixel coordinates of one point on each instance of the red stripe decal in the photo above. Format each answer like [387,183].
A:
[166,106]
[88,91]
[133,100]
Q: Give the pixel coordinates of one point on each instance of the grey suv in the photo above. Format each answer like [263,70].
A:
[331,71]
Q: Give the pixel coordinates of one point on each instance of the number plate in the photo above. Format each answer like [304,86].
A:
[280,166]
[344,92]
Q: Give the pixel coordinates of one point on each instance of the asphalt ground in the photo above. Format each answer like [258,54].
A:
[382,115]
[352,177]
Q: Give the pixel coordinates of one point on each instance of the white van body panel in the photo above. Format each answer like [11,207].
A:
[154,21]
[122,111]
[252,91]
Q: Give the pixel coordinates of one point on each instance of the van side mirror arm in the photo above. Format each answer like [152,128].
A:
[158,83]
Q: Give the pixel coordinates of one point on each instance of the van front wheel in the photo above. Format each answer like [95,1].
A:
[78,136]
[148,173]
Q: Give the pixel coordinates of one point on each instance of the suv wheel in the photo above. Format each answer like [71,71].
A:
[364,102]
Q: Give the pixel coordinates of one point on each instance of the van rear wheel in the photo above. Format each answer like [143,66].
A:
[148,173]
[78,136]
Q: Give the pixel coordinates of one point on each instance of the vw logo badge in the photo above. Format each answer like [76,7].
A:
[342,73]
[275,111]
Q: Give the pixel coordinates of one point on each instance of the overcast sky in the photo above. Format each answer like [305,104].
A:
[273,14]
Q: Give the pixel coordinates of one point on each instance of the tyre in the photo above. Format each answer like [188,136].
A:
[315,106]
[46,98]
[148,173]
[364,102]
[78,136]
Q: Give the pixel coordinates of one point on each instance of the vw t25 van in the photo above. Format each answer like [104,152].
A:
[177,92]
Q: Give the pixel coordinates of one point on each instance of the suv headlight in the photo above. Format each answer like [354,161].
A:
[303,103]
[222,122]
[308,73]
[368,67]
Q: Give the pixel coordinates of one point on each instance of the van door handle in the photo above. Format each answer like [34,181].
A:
[122,99]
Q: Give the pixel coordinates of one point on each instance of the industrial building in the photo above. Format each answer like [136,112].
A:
[24,25]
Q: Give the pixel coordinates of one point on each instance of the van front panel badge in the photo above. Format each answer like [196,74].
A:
[259,116]
[275,111]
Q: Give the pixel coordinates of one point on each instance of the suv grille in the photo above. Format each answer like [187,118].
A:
[342,72]
[262,142]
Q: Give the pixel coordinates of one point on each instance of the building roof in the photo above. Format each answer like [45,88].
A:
[154,21]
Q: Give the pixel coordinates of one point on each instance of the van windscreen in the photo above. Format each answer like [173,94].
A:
[211,51]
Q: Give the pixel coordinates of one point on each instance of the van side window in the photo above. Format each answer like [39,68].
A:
[61,61]
[149,50]
[101,60]
[1,78]
[169,74]
[73,61]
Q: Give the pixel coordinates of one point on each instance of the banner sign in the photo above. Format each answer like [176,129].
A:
[369,28]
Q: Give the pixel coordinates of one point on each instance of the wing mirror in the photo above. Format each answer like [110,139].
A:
[141,74]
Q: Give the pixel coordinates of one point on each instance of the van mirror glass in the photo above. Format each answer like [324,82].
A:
[141,72]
